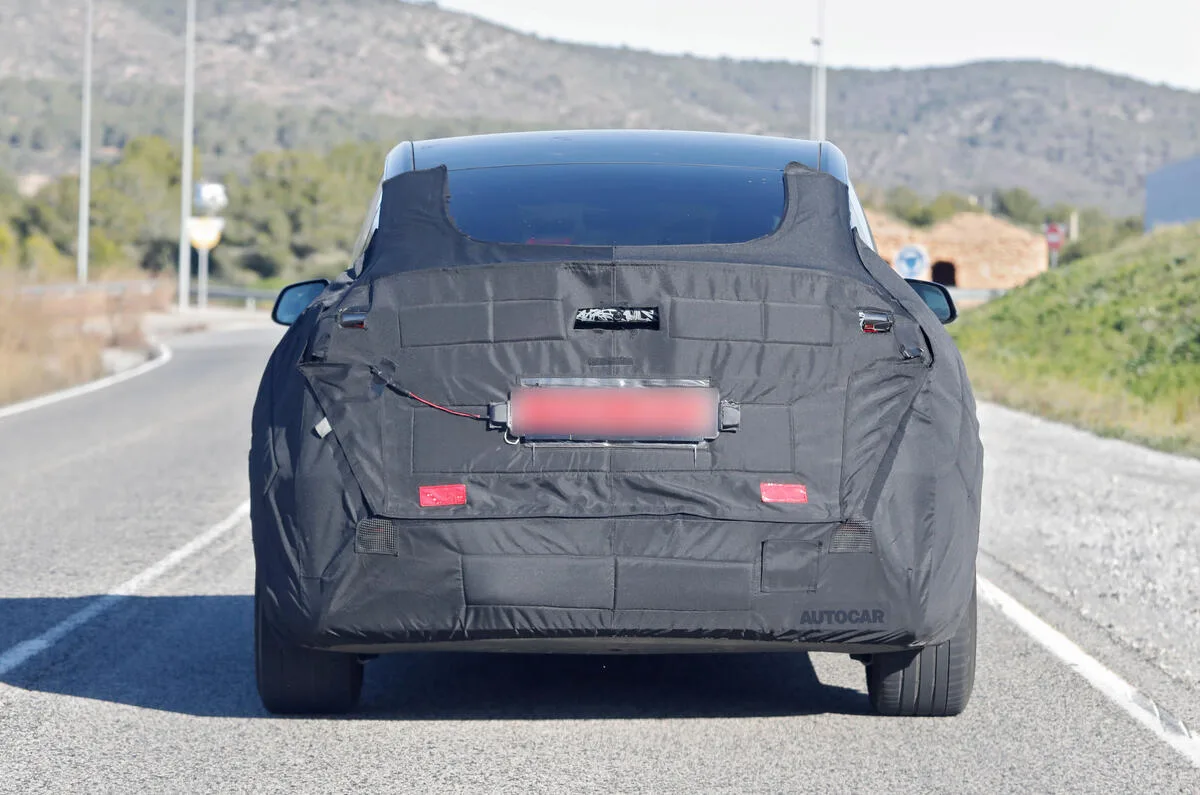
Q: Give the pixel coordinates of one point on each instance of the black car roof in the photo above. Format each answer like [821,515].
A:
[618,146]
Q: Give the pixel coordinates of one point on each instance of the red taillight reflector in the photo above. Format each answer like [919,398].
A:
[436,496]
[783,492]
[681,414]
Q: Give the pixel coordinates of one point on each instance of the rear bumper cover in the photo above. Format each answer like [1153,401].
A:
[634,585]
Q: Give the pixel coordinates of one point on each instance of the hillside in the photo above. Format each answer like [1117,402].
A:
[1111,342]
[303,65]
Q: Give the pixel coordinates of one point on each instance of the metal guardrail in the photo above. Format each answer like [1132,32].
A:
[227,292]
[252,297]
[975,294]
[142,287]
[239,293]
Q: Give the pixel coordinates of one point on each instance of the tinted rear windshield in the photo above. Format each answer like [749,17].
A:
[616,204]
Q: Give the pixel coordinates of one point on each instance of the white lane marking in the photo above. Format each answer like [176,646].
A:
[163,355]
[22,652]
[1164,725]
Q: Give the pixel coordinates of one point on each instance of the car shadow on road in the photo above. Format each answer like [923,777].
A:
[193,655]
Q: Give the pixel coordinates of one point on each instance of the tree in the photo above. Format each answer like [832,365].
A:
[53,213]
[103,252]
[10,249]
[947,205]
[1019,206]
[44,260]
[136,199]
[10,198]
[905,204]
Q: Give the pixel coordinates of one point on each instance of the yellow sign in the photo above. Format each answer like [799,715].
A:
[205,232]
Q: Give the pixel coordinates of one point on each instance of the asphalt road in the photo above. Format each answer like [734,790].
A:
[156,692]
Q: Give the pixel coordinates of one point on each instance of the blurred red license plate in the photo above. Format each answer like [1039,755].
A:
[632,414]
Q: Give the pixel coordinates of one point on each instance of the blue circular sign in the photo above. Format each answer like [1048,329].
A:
[912,261]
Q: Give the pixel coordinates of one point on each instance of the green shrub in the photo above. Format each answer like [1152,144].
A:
[1111,341]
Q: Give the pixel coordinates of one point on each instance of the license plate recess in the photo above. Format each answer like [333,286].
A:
[598,410]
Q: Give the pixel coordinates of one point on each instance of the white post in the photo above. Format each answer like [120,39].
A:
[85,156]
[202,280]
[189,139]
[821,70]
[813,90]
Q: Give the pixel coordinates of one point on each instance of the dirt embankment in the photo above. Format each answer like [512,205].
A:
[55,338]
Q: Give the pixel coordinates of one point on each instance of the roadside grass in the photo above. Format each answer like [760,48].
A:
[51,342]
[1110,343]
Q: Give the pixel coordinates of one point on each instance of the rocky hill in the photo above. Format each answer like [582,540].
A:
[312,72]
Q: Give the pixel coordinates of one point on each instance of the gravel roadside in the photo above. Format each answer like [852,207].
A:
[1108,528]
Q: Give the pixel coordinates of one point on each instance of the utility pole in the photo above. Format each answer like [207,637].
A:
[813,91]
[821,70]
[85,156]
[816,119]
[189,141]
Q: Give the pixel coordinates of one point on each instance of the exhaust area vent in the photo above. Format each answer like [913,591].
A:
[376,537]
[852,537]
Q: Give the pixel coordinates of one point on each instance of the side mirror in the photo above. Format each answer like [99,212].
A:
[937,298]
[295,298]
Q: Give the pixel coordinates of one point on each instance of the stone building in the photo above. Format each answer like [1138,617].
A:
[969,250]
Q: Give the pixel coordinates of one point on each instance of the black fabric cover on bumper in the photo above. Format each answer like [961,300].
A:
[631,541]
[637,577]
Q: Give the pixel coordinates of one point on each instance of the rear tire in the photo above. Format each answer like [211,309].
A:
[293,680]
[931,682]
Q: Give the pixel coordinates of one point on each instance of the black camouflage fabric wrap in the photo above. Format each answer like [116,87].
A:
[574,541]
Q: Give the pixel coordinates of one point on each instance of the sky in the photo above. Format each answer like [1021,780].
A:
[1154,40]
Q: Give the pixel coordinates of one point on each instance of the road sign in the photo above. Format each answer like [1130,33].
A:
[912,261]
[1055,234]
[211,198]
[205,232]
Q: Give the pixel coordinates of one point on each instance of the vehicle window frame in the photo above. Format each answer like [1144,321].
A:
[370,224]
[367,231]
[858,218]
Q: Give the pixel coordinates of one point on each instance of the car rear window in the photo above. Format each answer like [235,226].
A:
[616,204]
